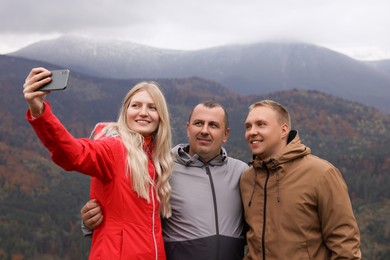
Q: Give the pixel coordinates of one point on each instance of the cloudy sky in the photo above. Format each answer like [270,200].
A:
[359,28]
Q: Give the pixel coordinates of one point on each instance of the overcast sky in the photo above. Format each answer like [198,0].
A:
[360,28]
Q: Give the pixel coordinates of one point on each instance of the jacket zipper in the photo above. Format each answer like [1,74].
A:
[153,220]
[264,212]
[215,206]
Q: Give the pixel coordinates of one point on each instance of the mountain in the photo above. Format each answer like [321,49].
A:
[246,69]
[383,65]
[40,203]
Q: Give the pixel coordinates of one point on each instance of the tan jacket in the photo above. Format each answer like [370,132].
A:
[298,207]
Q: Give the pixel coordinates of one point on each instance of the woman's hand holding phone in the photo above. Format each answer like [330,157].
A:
[39,83]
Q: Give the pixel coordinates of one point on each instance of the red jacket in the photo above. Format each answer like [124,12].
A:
[131,228]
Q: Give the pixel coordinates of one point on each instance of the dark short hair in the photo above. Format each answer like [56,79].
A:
[212,104]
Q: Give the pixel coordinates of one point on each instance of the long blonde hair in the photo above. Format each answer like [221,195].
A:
[137,159]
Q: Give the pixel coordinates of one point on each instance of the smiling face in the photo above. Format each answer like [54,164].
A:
[207,132]
[265,135]
[142,116]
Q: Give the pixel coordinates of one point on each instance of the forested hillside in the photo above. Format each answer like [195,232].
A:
[40,203]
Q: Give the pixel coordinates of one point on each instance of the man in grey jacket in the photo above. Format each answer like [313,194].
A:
[207,215]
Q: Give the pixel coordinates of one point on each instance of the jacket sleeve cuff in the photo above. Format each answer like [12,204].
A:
[46,110]
[86,231]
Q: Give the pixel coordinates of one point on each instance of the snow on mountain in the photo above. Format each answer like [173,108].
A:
[247,69]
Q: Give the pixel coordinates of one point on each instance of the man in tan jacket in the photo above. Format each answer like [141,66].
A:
[296,205]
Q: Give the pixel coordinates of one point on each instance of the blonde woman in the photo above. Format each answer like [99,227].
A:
[129,160]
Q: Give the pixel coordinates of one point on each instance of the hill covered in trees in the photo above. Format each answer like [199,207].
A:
[40,203]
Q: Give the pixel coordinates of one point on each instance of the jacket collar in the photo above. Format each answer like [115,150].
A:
[294,149]
[182,156]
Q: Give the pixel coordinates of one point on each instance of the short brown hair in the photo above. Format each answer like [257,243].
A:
[284,115]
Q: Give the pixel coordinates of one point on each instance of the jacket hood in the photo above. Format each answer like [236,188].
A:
[294,149]
[181,156]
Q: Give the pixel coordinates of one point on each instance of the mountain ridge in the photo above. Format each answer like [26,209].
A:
[257,68]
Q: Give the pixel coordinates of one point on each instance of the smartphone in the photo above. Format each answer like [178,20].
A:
[59,80]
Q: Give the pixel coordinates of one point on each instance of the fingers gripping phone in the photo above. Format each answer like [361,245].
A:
[59,80]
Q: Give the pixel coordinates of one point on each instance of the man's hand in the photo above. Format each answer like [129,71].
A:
[91,214]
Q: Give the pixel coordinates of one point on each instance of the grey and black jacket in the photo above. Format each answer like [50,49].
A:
[207,215]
